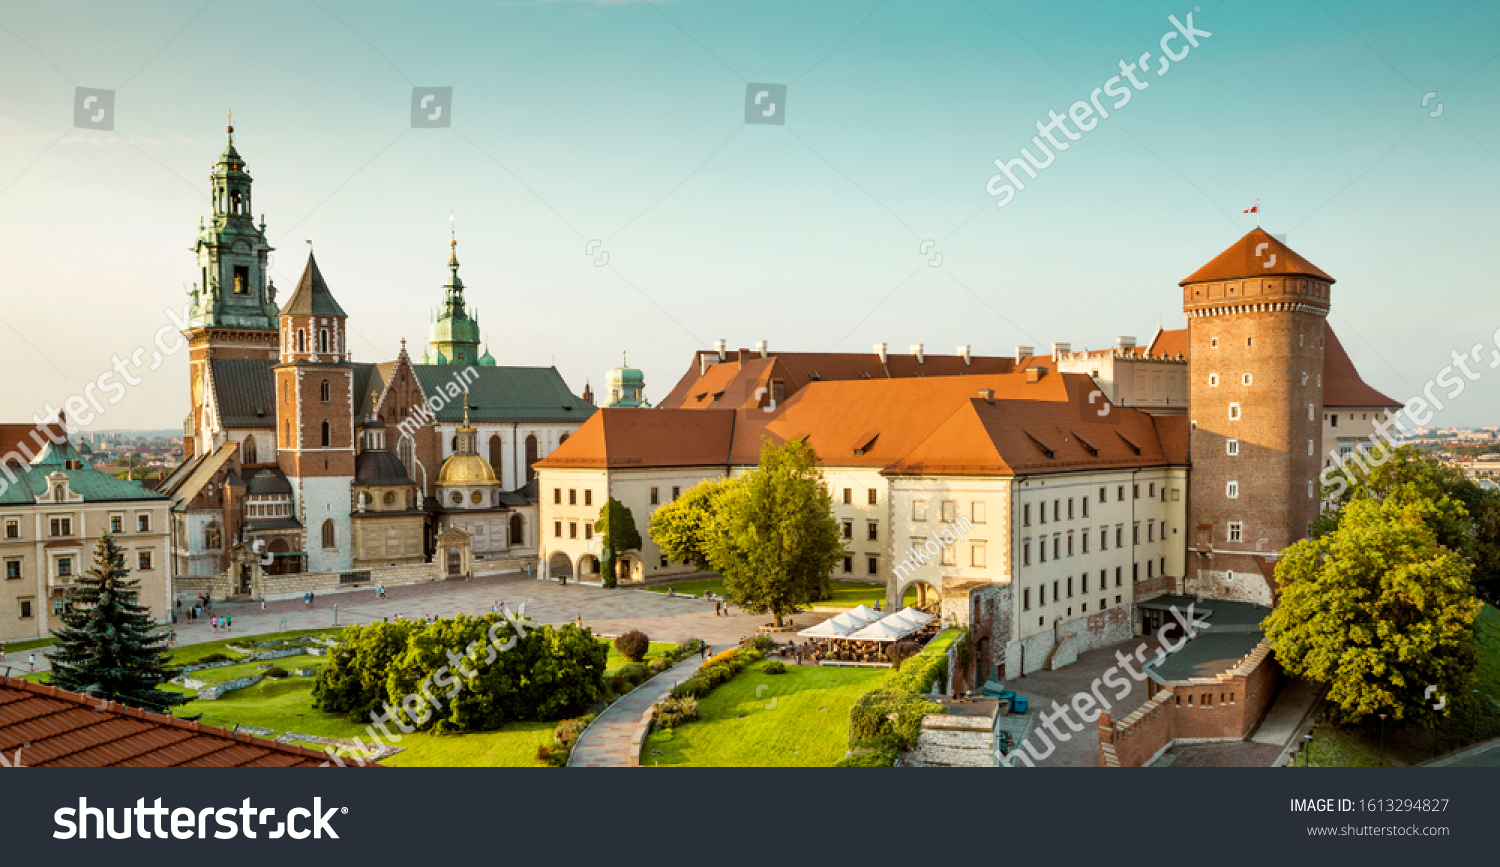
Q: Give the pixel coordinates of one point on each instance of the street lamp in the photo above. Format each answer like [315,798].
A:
[1307,751]
[1382,740]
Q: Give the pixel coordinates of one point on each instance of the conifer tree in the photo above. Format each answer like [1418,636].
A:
[108,647]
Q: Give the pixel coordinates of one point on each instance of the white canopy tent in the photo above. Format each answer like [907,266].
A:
[860,615]
[892,628]
[912,616]
[828,629]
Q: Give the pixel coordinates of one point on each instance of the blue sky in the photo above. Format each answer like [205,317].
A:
[624,122]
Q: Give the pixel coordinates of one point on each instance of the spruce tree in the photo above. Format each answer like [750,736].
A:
[109,648]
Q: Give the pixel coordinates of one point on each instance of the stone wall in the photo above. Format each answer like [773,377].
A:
[1151,588]
[990,629]
[1229,585]
[292,586]
[1061,645]
[217,691]
[1140,737]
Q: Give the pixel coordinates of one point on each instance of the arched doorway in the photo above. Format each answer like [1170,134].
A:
[588,568]
[280,563]
[628,568]
[559,565]
[920,594]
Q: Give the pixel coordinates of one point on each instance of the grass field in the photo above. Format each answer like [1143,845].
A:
[797,719]
[618,661]
[846,594]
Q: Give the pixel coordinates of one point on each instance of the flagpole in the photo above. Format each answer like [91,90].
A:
[1257,213]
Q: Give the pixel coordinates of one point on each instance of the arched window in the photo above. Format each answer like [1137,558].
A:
[247,451]
[453,446]
[325,434]
[213,536]
[403,453]
[497,458]
[301,340]
[562,439]
[325,391]
[517,532]
[531,457]
[323,340]
[330,540]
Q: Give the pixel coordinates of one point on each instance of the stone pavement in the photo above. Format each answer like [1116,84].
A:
[608,612]
[614,740]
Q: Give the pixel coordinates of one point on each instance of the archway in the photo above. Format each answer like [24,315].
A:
[921,594]
[628,568]
[280,563]
[559,565]
[588,568]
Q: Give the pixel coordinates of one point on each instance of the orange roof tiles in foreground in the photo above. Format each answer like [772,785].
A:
[54,728]
[1258,254]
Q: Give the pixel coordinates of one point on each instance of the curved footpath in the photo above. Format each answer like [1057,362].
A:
[614,740]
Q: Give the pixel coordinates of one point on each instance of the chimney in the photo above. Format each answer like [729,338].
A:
[880,352]
[1024,352]
[965,353]
[1124,344]
[1035,374]
[988,394]
[916,350]
[1059,349]
[705,361]
[760,347]
[721,346]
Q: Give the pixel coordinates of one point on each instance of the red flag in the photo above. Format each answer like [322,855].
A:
[1253,209]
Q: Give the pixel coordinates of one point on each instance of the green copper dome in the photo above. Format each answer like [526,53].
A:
[625,386]
[453,337]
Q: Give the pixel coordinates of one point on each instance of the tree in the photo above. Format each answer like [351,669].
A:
[616,527]
[1378,610]
[774,537]
[681,527]
[108,647]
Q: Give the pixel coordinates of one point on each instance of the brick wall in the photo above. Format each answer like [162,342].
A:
[1151,588]
[1135,740]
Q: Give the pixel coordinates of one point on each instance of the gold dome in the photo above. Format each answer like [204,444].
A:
[462,469]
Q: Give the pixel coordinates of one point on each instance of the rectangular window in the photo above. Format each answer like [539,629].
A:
[1057,510]
[588,497]
[1135,492]
[1102,495]
[117,523]
[1026,553]
[676,492]
[1119,535]
[655,496]
[872,532]
[12,569]
[950,511]
[919,510]
[1085,540]
[25,609]
[848,564]
[588,530]
[1041,547]
[557,529]
[1135,572]
[572,529]
[1150,531]
[874,498]
[948,558]
[848,496]
[1151,490]
[1150,569]
[1085,506]
[572,496]
[144,560]
[1232,490]
[1234,412]
[1070,586]
[1056,547]
[1135,533]
[664,561]
[1333,420]
[976,556]
[976,511]
[1070,508]
[1085,583]
[1070,543]
[61,526]
[1120,493]
[143,523]
[13,529]
[64,567]
[1026,599]
[1117,579]
[1103,538]
[848,529]
[1042,510]
[1026,515]
[1042,595]
[1055,595]
[557,496]
[1163,568]
[873,565]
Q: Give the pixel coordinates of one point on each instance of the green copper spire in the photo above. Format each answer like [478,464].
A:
[232,291]
[454,336]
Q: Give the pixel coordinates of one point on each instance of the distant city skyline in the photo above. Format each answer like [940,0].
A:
[1368,133]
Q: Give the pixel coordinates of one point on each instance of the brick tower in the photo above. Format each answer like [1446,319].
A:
[1255,333]
[315,418]
[233,309]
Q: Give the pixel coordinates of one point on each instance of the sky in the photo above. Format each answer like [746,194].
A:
[1368,131]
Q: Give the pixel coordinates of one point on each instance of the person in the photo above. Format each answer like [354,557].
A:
[312,598]
[31,662]
[578,620]
[703,649]
[172,639]
[877,605]
[670,592]
[228,622]
[263,604]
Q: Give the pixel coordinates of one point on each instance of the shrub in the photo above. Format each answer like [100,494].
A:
[553,755]
[633,645]
[762,643]
[634,674]
[617,685]
[902,651]
[568,731]
[693,687]
[276,672]
[775,666]
[214,657]
[873,758]
[672,712]
[661,665]
[727,657]
[688,645]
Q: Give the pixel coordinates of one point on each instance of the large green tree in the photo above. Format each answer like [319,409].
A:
[680,528]
[1378,609]
[616,527]
[108,647]
[774,536]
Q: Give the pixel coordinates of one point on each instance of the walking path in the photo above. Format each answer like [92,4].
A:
[608,612]
[615,738]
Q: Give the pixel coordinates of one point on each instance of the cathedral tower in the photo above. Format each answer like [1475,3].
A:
[1256,318]
[454,334]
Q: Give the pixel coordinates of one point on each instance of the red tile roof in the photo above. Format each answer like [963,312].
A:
[65,729]
[17,440]
[1169,343]
[1342,384]
[1247,257]
[647,438]
[1172,433]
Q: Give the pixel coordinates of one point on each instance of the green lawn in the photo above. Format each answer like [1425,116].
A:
[618,661]
[191,653]
[251,669]
[797,719]
[846,594]
[25,646]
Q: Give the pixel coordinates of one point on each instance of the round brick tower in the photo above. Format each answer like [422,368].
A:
[1255,335]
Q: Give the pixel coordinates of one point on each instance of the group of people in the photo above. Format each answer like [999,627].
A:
[309,598]
[30,658]
[221,624]
[721,605]
[204,603]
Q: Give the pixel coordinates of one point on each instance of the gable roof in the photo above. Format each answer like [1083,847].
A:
[1258,254]
[66,729]
[1342,384]
[21,443]
[244,391]
[647,438]
[312,297]
[502,394]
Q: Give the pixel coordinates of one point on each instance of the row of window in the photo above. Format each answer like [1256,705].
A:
[872,530]
[1232,489]
[1061,585]
[588,496]
[872,496]
[588,530]
[1057,504]
[872,565]
[948,510]
[656,494]
[64,565]
[1083,537]
[948,555]
[64,526]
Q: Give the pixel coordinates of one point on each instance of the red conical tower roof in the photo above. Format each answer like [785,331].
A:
[1258,254]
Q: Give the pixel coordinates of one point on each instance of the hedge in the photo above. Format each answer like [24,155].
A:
[902,694]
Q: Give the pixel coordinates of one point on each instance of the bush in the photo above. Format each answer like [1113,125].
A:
[889,718]
[874,758]
[214,657]
[553,755]
[693,687]
[618,685]
[634,674]
[762,643]
[672,712]
[568,731]
[661,665]
[633,645]
[775,666]
[688,645]
[276,673]
[902,651]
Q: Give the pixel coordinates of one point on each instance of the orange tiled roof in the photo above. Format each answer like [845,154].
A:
[18,440]
[1242,260]
[1172,433]
[620,438]
[1342,384]
[1169,343]
[65,729]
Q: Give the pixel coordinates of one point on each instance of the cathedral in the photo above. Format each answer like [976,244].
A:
[304,468]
